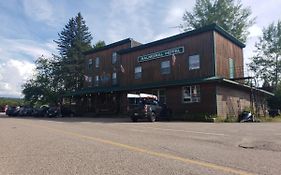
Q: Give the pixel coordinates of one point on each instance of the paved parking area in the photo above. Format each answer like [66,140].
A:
[118,146]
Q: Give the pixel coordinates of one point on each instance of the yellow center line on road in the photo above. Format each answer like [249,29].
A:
[149,152]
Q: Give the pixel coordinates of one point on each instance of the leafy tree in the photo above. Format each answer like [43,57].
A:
[275,101]
[43,87]
[231,16]
[99,44]
[266,64]
[10,102]
[73,41]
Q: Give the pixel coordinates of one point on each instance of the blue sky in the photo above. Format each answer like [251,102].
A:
[28,28]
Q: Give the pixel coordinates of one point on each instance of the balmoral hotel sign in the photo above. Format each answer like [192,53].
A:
[160,54]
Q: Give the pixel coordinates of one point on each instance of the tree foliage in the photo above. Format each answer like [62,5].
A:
[73,40]
[266,63]
[64,72]
[10,102]
[231,16]
[99,44]
[275,101]
[43,87]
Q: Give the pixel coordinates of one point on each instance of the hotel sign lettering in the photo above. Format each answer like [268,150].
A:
[160,54]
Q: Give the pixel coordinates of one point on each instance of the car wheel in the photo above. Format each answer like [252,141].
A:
[152,117]
[134,119]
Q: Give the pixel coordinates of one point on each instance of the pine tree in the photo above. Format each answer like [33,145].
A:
[73,40]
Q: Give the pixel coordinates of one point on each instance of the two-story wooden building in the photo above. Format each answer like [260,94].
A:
[193,73]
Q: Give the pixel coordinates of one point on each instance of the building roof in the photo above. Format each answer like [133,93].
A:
[166,84]
[212,27]
[124,41]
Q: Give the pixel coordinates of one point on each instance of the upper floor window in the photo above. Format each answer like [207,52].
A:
[90,63]
[194,62]
[114,78]
[165,67]
[97,79]
[231,68]
[114,57]
[90,79]
[138,72]
[97,62]
[191,94]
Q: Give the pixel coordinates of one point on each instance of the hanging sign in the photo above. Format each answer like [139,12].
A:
[160,54]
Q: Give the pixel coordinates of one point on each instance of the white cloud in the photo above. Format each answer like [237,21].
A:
[39,10]
[174,16]
[255,31]
[129,17]
[30,48]
[16,63]
[13,73]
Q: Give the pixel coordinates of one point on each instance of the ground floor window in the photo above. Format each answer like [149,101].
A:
[191,94]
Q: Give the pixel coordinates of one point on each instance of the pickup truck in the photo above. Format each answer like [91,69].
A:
[146,106]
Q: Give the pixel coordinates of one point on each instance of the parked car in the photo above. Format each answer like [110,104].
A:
[54,111]
[25,111]
[40,112]
[146,106]
[12,110]
[67,112]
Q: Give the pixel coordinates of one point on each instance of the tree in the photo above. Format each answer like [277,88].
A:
[99,44]
[266,63]
[42,87]
[73,41]
[229,15]
[274,102]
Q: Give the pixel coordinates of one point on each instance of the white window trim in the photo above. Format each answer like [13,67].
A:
[191,96]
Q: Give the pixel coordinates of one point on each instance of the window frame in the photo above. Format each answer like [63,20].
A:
[90,63]
[231,65]
[191,66]
[97,80]
[138,75]
[114,78]
[167,69]
[114,58]
[194,97]
[97,62]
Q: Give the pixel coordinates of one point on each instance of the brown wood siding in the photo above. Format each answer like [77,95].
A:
[106,67]
[174,100]
[201,44]
[207,104]
[231,102]
[226,49]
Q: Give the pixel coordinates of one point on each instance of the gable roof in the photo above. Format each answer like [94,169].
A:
[124,41]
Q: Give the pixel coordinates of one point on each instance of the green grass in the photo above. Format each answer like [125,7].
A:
[270,119]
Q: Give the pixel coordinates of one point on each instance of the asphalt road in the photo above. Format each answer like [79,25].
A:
[118,146]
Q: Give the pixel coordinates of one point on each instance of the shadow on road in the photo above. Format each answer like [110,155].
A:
[95,119]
